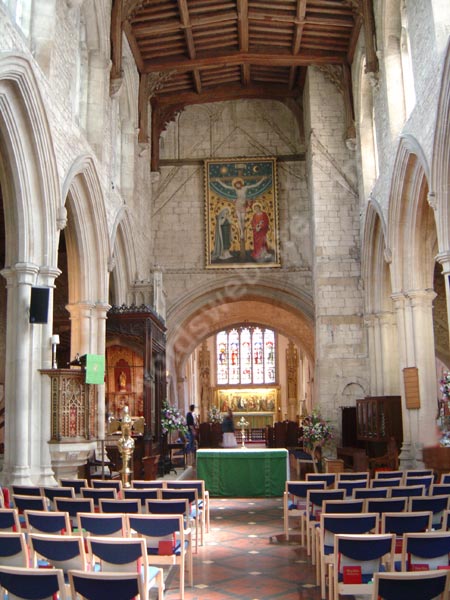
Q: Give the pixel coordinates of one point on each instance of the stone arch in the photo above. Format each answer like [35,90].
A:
[123,258]
[375,271]
[31,196]
[30,164]
[409,217]
[207,310]
[382,336]
[441,160]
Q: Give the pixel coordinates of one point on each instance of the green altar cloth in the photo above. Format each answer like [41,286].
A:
[243,473]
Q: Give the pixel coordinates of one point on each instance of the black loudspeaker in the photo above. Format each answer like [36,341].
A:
[39,305]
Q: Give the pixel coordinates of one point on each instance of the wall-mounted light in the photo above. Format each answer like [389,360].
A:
[55,341]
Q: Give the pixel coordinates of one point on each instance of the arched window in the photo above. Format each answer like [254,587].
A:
[246,356]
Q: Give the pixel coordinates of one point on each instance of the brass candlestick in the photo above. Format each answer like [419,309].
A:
[126,447]
[242,423]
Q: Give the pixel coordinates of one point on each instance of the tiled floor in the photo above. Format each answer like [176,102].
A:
[244,557]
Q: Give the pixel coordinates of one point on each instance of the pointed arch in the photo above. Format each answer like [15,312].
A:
[87,234]
[124,257]
[412,238]
[207,309]
[29,172]
[375,270]
[441,159]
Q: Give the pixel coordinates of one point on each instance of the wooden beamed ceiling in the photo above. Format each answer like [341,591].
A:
[196,51]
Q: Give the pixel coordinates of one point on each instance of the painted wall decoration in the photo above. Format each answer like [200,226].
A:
[241,209]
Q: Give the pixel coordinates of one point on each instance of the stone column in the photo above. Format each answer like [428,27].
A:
[18,373]
[423,337]
[389,353]
[372,325]
[416,349]
[82,327]
[41,433]
[100,315]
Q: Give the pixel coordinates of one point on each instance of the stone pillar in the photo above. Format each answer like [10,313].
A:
[416,349]
[41,433]
[389,354]
[19,372]
[372,325]
[292,363]
[100,315]
[422,321]
[82,327]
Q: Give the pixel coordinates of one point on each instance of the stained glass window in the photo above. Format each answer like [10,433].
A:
[245,356]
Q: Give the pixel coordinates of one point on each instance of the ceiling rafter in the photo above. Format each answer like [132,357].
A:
[228,49]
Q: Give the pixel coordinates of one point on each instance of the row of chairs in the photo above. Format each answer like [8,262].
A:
[164,540]
[356,558]
[20,573]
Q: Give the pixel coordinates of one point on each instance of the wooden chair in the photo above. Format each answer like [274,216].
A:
[421,585]
[168,542]
[26,583]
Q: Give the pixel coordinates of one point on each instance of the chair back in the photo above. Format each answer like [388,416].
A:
[25,583]
[57,492]
[388,482]
[23,503]
[425,480]
[117,554]
[407,491]
[26,490]
[55,522]
[73,506]
[367,552]
[440,489]
[349,485]
[141,494]
[127,505]
[168,507]
[329,478]
[437,505]
[316,498]
[339,507]
[354,475]
[332,524]
[406,522]
[429,549]
[59,551]
[13,549]
[9,519]
[381,505]
[156,529]
[377,492]
[92,586]
[101,524]
[445,478]
[419,473]
[388,474]
[107,483]
[96,493]
[139,484]
[411,586]
[76,484]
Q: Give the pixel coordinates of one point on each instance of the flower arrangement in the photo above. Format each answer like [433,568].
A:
[445,385]
[172,419]
[214,415]
[316,431]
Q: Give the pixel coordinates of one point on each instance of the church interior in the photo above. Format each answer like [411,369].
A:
[238,205]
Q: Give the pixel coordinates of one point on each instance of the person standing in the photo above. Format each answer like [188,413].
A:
[191,422]
[229,438]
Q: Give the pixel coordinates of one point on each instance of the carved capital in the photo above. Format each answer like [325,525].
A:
[61,217]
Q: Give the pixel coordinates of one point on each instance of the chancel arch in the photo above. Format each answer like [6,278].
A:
[204,314]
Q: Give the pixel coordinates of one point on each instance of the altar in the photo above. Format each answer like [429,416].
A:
[243,472]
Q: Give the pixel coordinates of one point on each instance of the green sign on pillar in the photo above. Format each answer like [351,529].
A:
[95,368]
